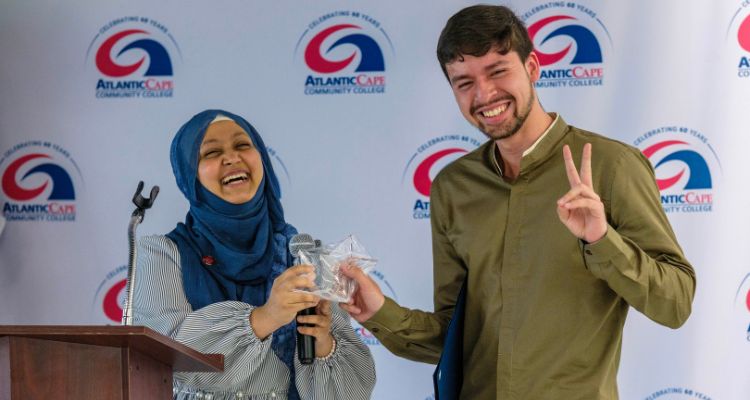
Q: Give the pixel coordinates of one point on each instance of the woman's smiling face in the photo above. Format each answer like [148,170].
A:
[229,164]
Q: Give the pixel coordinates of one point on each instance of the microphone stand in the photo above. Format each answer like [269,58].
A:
[142,204]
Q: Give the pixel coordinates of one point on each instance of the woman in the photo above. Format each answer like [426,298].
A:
[221,282]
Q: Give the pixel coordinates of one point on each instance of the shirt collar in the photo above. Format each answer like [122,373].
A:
[556,119]
[549,128]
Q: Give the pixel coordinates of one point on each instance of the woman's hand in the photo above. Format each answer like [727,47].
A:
[319,327]
[284,302]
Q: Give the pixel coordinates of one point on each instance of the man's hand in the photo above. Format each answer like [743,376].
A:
[581,209]
[367,299]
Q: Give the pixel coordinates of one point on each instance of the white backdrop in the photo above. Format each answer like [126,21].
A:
[81,122]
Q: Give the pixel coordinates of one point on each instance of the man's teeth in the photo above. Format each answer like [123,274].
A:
[234,177]
[495,111]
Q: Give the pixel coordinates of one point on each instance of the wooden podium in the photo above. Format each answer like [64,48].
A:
[93,362]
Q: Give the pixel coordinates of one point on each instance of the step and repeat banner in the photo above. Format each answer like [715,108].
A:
[358,117]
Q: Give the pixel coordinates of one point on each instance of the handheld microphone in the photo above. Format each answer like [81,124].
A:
[305,343]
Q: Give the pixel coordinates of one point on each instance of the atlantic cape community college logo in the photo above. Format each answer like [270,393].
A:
[427,161]
[742,304]
[133,58]
[677,393]
[739,32]
[39,180]
[344,52]
[686,167]
[568,39]
[279,167]
[110,295]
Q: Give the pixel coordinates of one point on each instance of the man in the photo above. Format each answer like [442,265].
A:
[546,301]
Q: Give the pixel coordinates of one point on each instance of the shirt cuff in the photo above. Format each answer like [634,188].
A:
[251,332]
[386,318]
[598,256]
[332,358]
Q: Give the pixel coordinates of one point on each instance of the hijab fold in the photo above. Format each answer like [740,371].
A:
[231,251]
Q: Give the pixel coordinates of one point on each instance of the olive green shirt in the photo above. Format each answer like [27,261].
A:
[544,311]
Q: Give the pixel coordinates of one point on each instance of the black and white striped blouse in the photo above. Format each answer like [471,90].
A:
[251,369]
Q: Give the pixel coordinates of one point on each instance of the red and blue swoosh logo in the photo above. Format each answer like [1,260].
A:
[371,56]
[422,181]
[110,295]
[743,34]
[693,163]
[742,298]
[111,302]
[588,50]
[62,185]
[743,293]
[159,63]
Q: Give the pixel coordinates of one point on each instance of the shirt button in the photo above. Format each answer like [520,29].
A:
[589,252]
[273,395]
[375,330]
[239,394]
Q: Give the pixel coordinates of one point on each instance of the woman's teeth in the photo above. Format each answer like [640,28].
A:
[233,178]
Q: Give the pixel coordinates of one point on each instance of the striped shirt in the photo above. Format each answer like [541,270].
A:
[251,369]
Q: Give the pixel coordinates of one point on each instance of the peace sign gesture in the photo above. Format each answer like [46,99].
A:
[581,209]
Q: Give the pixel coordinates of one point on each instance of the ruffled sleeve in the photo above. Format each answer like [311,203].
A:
[349,373]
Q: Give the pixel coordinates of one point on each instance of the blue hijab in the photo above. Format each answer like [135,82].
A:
[231,251]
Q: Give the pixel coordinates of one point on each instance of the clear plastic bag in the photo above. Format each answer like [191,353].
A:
[330,283]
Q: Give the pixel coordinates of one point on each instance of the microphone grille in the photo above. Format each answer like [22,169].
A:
[301,241]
